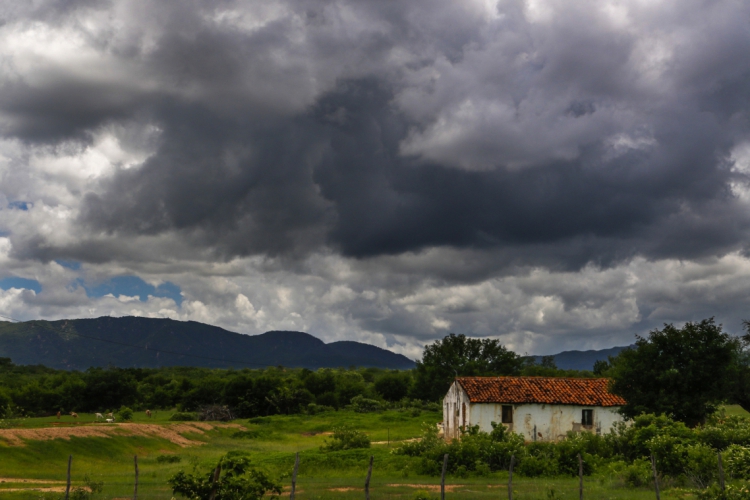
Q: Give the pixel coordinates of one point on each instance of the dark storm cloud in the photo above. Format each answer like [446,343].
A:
[550,144]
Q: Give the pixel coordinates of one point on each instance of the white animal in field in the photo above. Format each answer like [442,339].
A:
[99,415]
[110,420]
[110,415]
[74,414]
[148,413]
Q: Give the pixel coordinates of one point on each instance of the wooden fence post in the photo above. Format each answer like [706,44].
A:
[135,490]
[656,477]
[580,477]
[510,478]
[442,477]
[67,488]
[367,481]
[217,475]
[721,473]
[294,476]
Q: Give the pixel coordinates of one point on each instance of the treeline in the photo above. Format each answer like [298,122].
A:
[39,391]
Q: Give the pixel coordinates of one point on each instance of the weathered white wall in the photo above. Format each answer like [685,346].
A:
[536,422]
[455,404]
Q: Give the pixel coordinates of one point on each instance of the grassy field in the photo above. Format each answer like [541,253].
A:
[40,462]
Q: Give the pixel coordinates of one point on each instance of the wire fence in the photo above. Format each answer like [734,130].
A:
[161,489]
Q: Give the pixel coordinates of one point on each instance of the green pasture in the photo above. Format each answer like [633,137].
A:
[271,443]
[735,410]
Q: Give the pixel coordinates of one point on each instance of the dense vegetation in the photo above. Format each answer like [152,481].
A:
[38,391]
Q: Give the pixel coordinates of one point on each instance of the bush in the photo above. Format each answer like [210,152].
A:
[475,448]
[168,459]
[125,413]
[346,438]
[360,404]
[701,464]
[638,473]
[84,493]
[422,495]
[731,493]
[314,409]
[237,480]
[536,466]
[737,461]
[215,413]
[183,416]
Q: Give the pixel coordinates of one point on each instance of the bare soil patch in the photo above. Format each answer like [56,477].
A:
[345,489]
[43,489]
[33,481]
[171,432]
[429,487]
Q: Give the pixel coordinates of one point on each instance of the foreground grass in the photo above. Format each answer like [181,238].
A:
[271,443]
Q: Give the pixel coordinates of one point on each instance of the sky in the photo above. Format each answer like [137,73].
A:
[556,174]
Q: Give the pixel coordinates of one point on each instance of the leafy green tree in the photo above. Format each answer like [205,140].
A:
[237,481]
[108,388]
[393,386]
[681,372]
[740,392]
[459,355]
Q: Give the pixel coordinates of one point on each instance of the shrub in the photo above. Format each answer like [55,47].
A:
[638,473]
[125,413]
[84,493]
[422,495]
[739,492]
[535,466]
[361,404]
[737,461]
[346,438]
[168,459]
[315,409]
[475,447]
[183,416]
[215,413]
[238,480]
[700,464]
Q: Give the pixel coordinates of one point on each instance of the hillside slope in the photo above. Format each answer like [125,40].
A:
[582,360]
[64,344]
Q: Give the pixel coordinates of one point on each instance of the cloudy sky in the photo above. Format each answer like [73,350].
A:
[559,174]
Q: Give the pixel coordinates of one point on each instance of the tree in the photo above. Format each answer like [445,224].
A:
[393,386]
[681,372]
[457,356]
[740,392]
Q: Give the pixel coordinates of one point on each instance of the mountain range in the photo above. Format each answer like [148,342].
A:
[582,360]
[151,342]
[77,344]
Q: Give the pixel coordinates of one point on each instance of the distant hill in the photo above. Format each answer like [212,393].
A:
[63,345]
[582,360]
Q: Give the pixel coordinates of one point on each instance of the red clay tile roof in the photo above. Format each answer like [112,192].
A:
[543,390]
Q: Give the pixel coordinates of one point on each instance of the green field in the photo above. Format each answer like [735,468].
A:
[272,445]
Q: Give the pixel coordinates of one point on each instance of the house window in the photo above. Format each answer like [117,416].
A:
[507,414]
[587,418]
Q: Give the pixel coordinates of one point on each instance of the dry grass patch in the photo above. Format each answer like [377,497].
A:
[170,432]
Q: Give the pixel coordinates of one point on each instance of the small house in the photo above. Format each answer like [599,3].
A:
[539,408]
